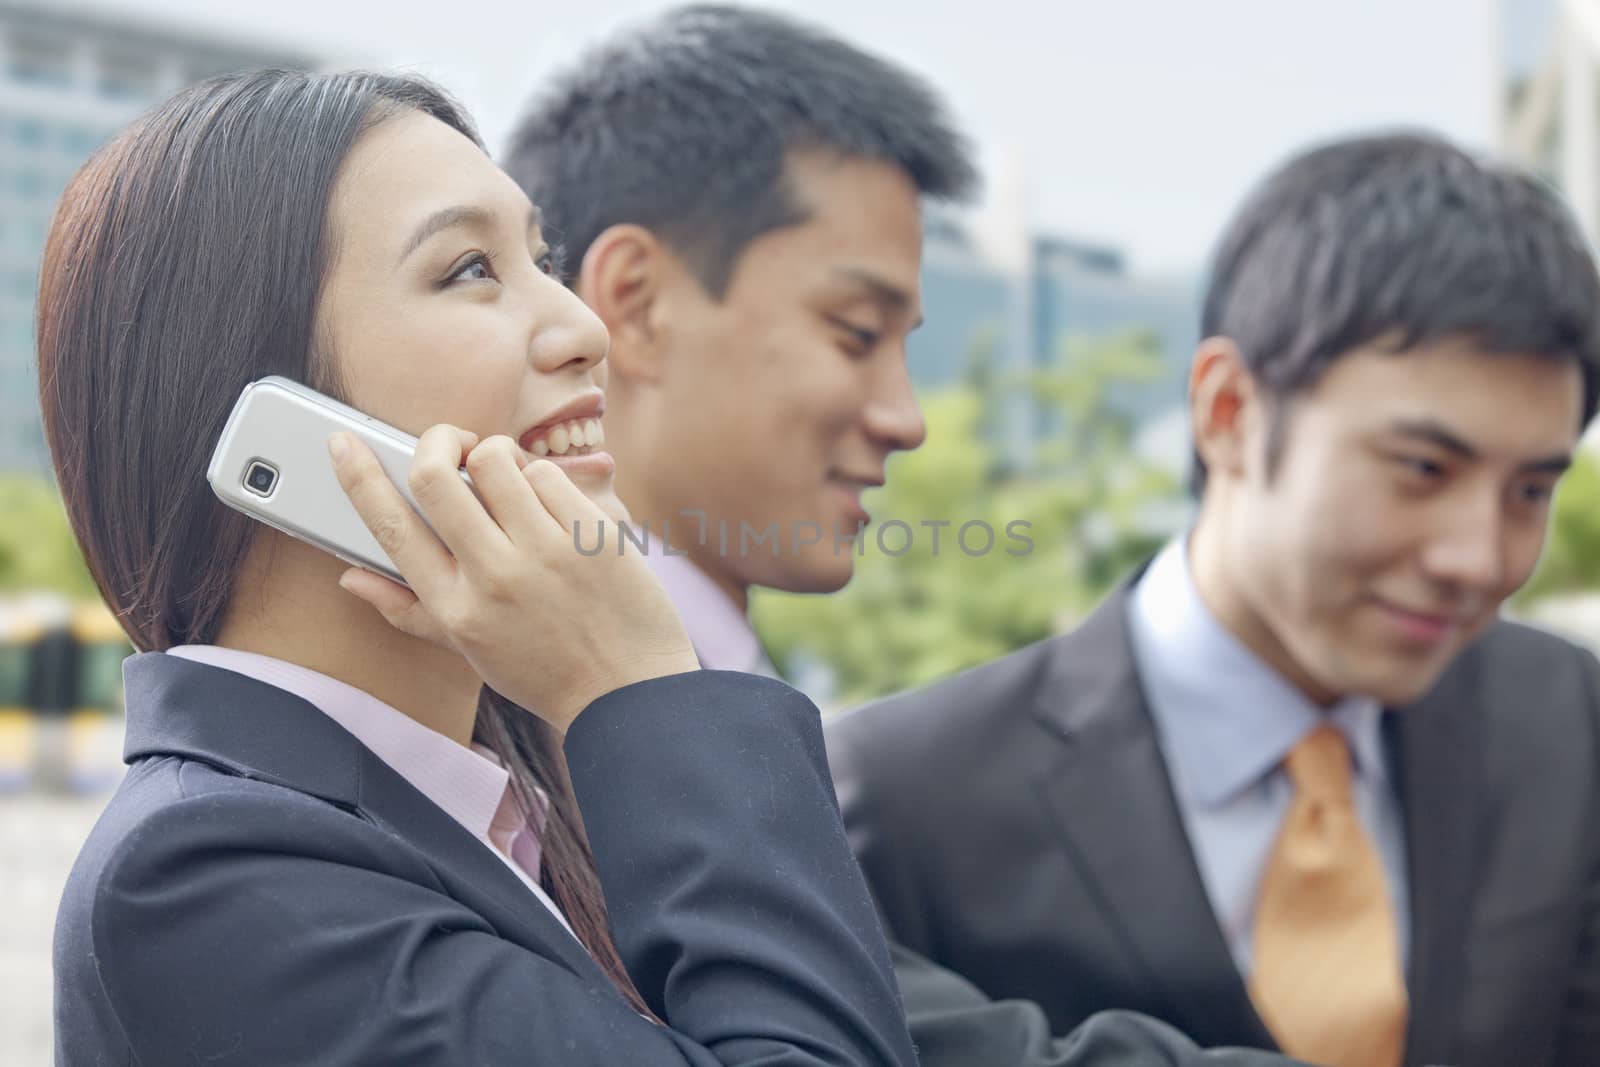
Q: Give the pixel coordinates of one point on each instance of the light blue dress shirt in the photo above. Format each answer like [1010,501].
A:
[1225,721]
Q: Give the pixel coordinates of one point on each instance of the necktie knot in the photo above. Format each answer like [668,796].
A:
[1319,765]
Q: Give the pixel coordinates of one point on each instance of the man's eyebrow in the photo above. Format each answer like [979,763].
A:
[1438,434]
[884,292]
[459,215]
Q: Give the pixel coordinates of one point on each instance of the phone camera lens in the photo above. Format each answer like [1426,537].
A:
[260,478]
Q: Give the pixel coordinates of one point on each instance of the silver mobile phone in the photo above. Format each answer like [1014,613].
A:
[272,463]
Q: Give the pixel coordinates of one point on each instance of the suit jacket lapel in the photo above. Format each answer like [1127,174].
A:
[1111,800]
[182,708]
[470,872]
[1438,756]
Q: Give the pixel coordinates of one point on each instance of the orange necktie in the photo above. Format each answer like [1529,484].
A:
[1326,956]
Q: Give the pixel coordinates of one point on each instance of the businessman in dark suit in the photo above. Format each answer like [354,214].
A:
[1295,785]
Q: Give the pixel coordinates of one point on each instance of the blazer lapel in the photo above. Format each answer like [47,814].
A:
[469,871]
[255,730]
[1111,800]
[1437,747]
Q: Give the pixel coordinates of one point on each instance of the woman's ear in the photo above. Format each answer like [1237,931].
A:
[1223,403]
[620,279]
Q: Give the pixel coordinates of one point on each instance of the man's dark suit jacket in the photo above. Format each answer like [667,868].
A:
[262,889]
[1017,825]
[955,1025]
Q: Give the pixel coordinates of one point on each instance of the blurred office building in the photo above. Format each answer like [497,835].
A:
[997,291]
[1000,308]
[68,80]
[1549,60]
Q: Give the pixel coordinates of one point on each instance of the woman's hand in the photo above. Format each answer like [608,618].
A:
[501,581]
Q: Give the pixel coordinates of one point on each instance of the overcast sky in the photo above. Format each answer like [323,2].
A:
[1134,122]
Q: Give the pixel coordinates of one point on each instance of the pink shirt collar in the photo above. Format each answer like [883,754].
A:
[469,784]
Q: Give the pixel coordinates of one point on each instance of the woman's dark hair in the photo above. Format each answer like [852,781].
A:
[1398,235]
[187,259]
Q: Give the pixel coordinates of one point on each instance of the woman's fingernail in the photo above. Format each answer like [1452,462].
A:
[339,446]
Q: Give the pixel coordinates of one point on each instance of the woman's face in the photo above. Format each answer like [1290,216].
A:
[440,304]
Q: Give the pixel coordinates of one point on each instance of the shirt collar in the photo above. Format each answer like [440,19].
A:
[722,636]
[1227,718]
[467,783]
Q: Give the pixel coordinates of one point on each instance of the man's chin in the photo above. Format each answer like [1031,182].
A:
[812,572]
[1397,688]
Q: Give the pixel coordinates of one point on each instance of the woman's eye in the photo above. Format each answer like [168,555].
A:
[478,268]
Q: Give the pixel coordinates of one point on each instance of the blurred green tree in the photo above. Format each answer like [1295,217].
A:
[1571,562]
[1065,531]
[37,550]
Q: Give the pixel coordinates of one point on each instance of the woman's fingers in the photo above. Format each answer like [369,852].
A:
[450,506]
[393,523]
[496,469]
[613,622]
[398,605]
[564,501]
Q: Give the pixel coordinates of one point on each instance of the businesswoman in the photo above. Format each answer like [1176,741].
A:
[350,831]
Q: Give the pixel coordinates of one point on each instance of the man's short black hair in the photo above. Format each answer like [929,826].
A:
[1400,236]
[683,126]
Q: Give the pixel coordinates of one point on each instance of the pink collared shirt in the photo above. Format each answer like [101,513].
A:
[469,784]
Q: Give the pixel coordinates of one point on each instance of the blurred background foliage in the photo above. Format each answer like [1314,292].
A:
[1571,564]
[37,551]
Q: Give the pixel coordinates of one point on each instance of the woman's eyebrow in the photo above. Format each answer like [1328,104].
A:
[459,215]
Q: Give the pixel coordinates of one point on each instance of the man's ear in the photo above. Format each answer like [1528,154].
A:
[1224,406]
[621,280]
